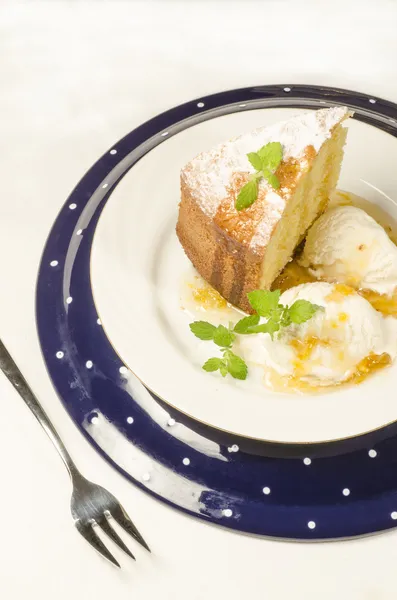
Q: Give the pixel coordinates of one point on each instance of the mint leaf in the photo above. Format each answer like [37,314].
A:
[223,369]
[203,330]
[230,363]
[212,364]
[255,160]
[264,302]
[271,178]
[223,337]
[302,310]
[271,155]
[265,161]
[235,365]
[246,322]
[247,195]
[270,327]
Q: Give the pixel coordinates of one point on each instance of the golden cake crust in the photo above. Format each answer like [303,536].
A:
[228,264]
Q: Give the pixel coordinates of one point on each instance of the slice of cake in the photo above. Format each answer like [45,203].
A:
[246,204]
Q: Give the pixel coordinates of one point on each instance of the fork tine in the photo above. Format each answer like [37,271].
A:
[88,533]
[118,513]
[108,529]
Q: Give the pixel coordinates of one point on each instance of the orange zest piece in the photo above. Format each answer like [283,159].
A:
[368,365]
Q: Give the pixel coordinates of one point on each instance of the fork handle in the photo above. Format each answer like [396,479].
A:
[10,369]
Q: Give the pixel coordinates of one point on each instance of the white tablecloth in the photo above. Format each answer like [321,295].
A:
[75,76]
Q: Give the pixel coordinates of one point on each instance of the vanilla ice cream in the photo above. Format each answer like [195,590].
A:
[347,245]
[326,349]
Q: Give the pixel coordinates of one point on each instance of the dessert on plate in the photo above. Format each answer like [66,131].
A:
[246,204]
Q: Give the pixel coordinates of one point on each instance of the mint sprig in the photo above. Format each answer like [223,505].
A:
[230,363]
[266,305]
[213,364]
[203,330]
[236,366]
[223,337]
[245,323]
[247,195]
[265,162]
[264,302]
[302,311]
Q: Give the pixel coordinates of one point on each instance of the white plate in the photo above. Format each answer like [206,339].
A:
[139,273]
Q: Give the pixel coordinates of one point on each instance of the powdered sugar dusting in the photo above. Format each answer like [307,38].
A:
[275,205]
[209,174]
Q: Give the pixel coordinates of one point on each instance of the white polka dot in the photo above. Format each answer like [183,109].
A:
[123,370]
[105,185]
[394,515]
[146,477]
[200,104]
[186,461]
[53,263]
[266,491]
[72,206]
[164,133]
[94,420]
[233,448]
[79,232]
[372,453]
[114,151]
[346,492]
[69,300]
[99,321]
[89,364]
[372,100]
[287,89]
[60,354]
[311,525]
[227,512]
[307,461]
[171,422]
[242,105]
[130,420]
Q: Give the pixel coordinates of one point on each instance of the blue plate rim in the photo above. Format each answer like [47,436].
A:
[92,179]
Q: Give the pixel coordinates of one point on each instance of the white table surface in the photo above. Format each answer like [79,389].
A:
[76,76]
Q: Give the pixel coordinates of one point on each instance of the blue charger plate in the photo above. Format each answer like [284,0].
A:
[327,491]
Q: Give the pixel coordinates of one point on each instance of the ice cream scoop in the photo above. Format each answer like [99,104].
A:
[347,245]
[331,347]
